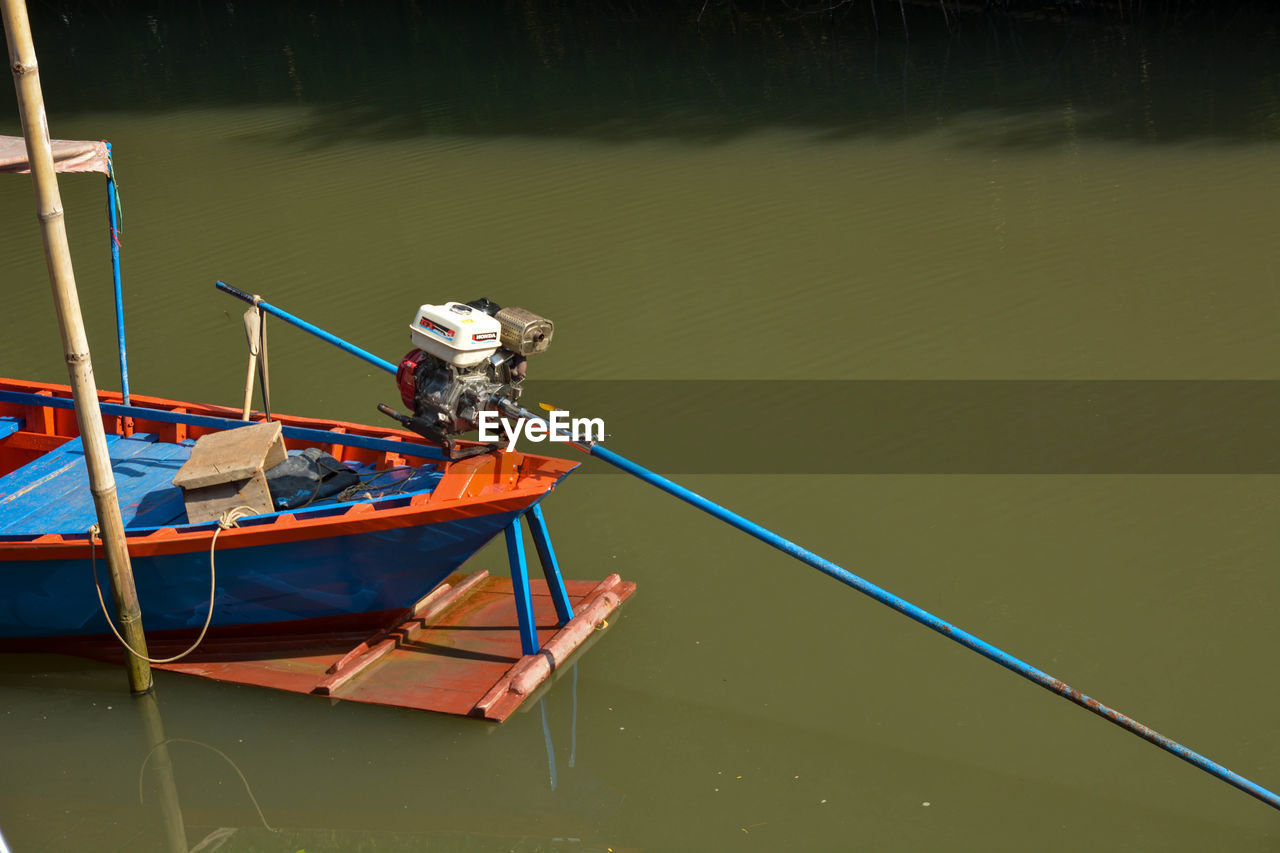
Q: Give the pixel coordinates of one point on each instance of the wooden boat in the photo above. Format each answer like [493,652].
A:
[356,595]
[336,561]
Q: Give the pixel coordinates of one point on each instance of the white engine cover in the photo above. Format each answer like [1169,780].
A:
[456,333]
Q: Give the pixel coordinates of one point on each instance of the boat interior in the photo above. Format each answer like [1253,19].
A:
[43,475]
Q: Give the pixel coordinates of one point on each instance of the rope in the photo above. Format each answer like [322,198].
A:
[229,519]
[363,488]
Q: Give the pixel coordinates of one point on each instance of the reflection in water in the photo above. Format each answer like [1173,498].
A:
[573,730]
[159,762]
[158,758]
[175,831]
[405,778]
[590,71]
[161,752]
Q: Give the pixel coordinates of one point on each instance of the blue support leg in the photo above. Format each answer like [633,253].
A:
[520,587]
[550,568]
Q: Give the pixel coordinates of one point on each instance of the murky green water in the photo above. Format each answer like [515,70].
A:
[733,207]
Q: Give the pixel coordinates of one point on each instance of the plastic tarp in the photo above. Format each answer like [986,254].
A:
[69,155]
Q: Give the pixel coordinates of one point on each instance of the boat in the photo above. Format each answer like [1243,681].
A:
[352,558]
[354,592]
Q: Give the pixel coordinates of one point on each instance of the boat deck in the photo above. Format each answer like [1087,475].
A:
[50,494]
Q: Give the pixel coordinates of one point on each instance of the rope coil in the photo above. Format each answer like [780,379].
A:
[229,519]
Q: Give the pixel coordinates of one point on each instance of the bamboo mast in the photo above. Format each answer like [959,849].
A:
[57,253]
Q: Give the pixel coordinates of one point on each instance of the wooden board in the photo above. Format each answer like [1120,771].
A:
[227,470]
[235,454]
[460,653]
[51,494]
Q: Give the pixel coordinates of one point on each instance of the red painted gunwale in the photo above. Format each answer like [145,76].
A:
[498,482]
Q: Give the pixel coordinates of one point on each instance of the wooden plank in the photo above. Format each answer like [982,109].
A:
[463,658]
[51,493]
[24,440]
[226,471]
[458,659]
[224,457]
[372,650]
[69,485]
[210,502]
[39,414]
[8,426]
[148,497]
[16,487]
[56,495]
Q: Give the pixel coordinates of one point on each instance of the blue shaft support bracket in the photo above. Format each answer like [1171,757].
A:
[550,568]
[520,587]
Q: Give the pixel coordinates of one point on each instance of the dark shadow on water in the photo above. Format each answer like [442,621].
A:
[619,73]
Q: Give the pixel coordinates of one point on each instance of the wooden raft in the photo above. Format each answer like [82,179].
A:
[457,651]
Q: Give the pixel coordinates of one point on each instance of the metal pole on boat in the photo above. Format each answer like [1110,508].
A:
[113,220]
[22,60]
[846,577]
[307,327]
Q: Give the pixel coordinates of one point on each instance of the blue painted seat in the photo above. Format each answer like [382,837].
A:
[51,494]
[8,426]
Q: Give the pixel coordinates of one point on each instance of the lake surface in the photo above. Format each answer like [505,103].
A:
[988,316]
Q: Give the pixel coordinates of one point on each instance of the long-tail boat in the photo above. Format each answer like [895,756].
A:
[352,592]
[411,520]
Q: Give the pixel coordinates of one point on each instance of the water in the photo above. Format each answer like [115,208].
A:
[716,217]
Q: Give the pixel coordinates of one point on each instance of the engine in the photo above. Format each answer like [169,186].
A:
[467,358]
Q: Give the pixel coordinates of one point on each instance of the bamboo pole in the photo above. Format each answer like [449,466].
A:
[22,61]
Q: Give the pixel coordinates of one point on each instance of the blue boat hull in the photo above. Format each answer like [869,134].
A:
[333,576]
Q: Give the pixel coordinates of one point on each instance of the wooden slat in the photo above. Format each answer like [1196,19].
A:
[24,440]
[456,656]
[8,426]
[52,494]
[224,457]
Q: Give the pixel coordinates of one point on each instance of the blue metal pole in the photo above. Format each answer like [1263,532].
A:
[846,577]
[113,220]
[942,627]
[550,568]
[307,327]
[520,587]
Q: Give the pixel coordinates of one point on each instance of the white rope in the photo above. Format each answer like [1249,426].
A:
[228,520]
